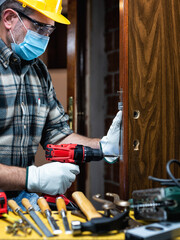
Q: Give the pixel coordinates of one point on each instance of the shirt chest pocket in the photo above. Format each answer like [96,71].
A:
[38,119]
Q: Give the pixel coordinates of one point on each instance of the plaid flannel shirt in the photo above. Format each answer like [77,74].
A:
[29,110]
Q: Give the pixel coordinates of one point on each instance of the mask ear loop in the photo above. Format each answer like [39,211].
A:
[22,24]
[12,36]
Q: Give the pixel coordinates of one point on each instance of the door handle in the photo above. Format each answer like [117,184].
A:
[71,111]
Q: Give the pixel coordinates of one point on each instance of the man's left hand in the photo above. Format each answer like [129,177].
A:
[110,142]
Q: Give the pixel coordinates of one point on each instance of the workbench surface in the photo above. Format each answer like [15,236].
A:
[85,236]
[4,223]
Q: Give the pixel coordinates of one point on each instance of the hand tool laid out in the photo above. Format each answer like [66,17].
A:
[156,231]
[96,222]
[18,211]
[61,206]
[35,217]
[117,201]
[4,209]
[157,204]
[74,153]
[46,211]
[11,218]
[51,199]
[115,207]
[3,203]
[111,208]
[18,226]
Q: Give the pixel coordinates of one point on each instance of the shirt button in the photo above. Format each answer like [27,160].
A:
[24,126]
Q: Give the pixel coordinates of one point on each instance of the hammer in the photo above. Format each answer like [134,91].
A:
[96,223]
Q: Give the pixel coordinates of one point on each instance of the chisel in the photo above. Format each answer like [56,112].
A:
[61,207]
[18,211]
[46,211]
[35,217]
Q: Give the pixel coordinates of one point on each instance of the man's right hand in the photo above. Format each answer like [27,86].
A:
[52,178]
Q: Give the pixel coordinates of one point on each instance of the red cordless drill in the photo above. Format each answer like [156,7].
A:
[73,153]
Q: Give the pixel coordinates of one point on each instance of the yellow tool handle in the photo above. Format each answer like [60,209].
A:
[26,203]
[43,204]
[85,205]
[11,218]
[13,205]
[60,203]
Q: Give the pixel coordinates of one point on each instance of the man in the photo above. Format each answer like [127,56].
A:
[29,111]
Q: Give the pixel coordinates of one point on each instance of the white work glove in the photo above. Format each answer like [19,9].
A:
[110,143]
[52,178]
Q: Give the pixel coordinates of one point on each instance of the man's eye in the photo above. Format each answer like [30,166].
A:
[41,30]
[36,27]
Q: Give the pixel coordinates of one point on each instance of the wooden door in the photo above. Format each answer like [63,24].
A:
[150,78]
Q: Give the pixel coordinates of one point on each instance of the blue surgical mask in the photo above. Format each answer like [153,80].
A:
[33,46]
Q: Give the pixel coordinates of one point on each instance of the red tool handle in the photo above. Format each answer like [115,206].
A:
[3,203]
[52,201]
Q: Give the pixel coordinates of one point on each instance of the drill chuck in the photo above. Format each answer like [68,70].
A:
[92,154]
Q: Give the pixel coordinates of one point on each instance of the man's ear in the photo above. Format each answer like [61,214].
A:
[10,18]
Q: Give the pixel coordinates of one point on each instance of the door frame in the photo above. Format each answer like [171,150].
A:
[76,42]
[123,84]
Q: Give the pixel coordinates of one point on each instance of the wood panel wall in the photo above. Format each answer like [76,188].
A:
[153,89]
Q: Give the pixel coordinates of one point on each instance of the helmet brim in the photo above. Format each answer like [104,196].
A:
[55,17]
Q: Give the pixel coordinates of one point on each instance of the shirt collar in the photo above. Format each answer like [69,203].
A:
[7,56]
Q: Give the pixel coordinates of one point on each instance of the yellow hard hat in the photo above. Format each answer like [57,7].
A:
[50,8]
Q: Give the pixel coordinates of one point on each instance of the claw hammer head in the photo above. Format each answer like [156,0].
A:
[96,223]
[101,225]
